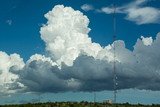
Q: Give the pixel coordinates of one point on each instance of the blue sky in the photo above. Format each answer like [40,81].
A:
[20,23]
[23,36]
[140,96]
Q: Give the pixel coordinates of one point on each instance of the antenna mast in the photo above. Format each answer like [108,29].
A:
[94,97]
[114,53]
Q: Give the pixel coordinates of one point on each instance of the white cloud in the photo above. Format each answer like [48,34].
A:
[74,63]
[107,10]
[147,41]
[110,10]
[136,12]
[87,7]
[81,65]
[7,78]
[38,57]
[67,37]
[87,73]
[143,15]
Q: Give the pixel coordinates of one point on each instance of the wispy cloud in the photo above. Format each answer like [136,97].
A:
[140,14]
[110,10]
[9,22]
[87,7]
[143,15]
[135,11]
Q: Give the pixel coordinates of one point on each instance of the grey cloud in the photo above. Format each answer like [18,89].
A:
[75,63]
[138,69]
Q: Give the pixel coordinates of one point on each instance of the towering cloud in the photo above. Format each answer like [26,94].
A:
[74,63]
[66,35]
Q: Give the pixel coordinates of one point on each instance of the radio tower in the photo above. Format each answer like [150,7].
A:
[114,54]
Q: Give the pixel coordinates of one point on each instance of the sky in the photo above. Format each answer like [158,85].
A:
[46,41]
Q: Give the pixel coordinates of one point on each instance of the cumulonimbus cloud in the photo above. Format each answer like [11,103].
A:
[74,63]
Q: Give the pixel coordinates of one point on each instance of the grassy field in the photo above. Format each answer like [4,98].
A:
[79,104]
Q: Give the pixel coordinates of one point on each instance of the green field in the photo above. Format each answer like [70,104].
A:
[79,104]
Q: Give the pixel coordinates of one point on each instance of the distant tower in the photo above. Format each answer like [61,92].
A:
[94,97]
[114,54]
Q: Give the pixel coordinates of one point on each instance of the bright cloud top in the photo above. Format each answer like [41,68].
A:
[147,41]
[74,63]
[66,36]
